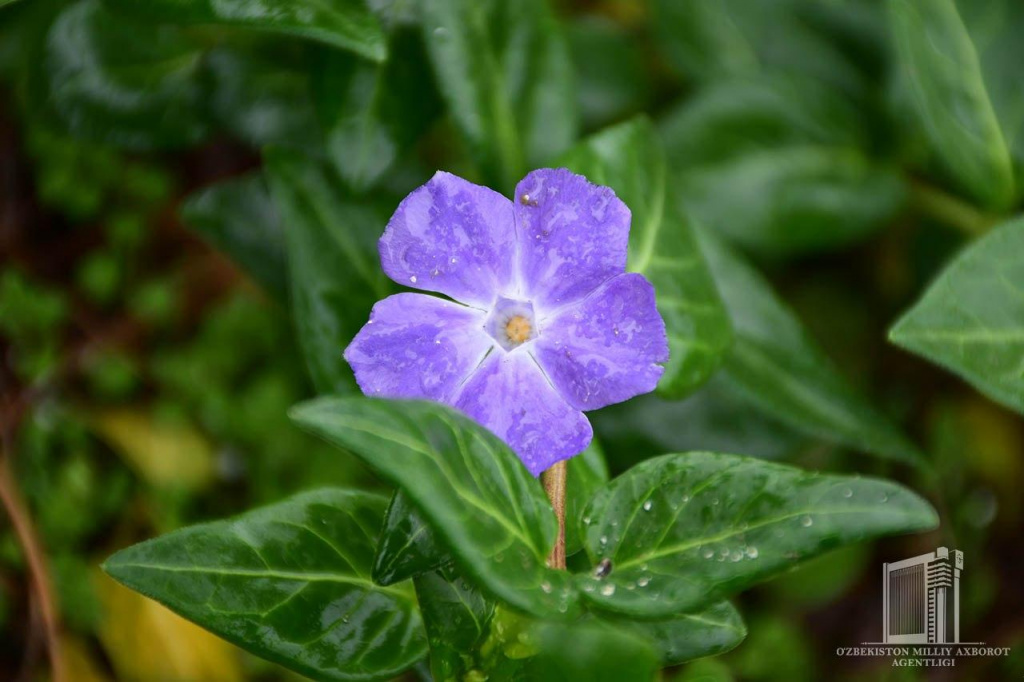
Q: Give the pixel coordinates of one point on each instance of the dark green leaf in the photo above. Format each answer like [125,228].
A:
[472,489]
[682,531]
[332,253]
[372,113]
[781,369]
[710,632]
[707,40]
[589,651]
[457,618]
[347,24]
[289,582]
[971,319]
[117,81]
[662,247]
[261,100]
[948,90]
[407,546]
[794,199]
[505,73]
[586,473]
[612,81]
[239,219]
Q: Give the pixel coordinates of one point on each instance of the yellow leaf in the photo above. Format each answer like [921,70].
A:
[164,454]
[147,641]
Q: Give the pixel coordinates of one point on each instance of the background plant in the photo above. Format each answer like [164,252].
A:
[806,179]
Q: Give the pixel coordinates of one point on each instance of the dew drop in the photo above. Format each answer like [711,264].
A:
[604,540]
[608,590]
[454,260]
[806,522]
[644,581]
[707,553]
[413,279]
[885,498]
[752,552]
[847,493]
[686,498]
[647,505]
[546,586]
[441,33]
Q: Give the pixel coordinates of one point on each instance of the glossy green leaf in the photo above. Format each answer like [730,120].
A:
[586,473]
[971,319]
[289,582]
[505,72]
[775,364]
[682,638]
[471,488]
[332,253]
[238,217]
[948,90]
[122,82]
[373,112]
[682,531]
[589,651]
[407,546]
[261,97]
[662,247]
[457,618]
[347,24]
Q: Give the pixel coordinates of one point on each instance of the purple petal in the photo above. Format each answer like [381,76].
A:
[453,237]
[510,396]
[606,348]
[572,236]
[417,346]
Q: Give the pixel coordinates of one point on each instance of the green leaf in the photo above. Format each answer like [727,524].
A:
[775,364]
[505,72]
[457,618]
[589,651]
[682,638]
[261,98]
[612,81]
[374,112]
[662,247]
[290,583]
[407,546]
[239,219]
[948,90]
[347,24]
[472,489]
[708,40]
[586,473]
[121,82]
[682,531]
[332,253]
[971,319]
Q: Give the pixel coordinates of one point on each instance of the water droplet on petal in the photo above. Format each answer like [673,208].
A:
[413,279]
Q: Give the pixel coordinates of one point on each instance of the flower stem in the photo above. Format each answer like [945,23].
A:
[554,485]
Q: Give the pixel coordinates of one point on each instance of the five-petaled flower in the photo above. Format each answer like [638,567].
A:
[545,322]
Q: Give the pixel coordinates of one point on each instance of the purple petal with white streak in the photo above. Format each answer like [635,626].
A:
[452,237]
[606,348]
[417,346]
[572,236]
[511,396]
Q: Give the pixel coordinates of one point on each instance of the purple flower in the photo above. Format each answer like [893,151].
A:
[547,322]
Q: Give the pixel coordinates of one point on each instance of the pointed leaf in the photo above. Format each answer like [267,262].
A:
[682,638]
[407,546]
[332,252]
[238,218]
[948,90]
[971,319]
[779,367]
[289,582]
[628,158]
[505,72]
[472,489]
[682,531]
[589,651]
[457,618]
[347,24]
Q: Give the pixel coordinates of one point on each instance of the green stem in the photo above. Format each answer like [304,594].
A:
[950,210]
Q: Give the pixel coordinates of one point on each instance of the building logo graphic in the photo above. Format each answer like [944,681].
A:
[921,599]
